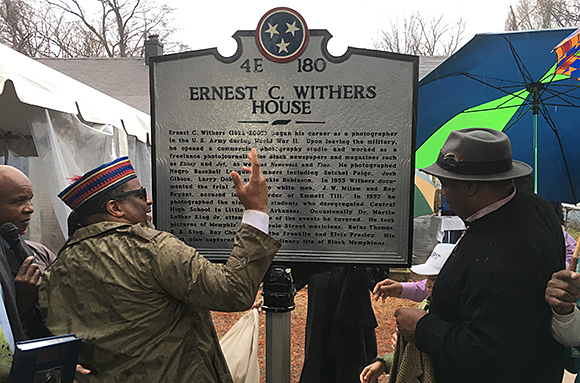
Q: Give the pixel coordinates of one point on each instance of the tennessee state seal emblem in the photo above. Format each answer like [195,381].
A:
[282,35]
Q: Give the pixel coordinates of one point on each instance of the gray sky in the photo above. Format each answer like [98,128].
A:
[211,23]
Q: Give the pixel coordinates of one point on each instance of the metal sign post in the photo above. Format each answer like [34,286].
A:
[278,347]
[278,291]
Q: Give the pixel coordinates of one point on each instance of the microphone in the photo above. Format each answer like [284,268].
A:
[10,233]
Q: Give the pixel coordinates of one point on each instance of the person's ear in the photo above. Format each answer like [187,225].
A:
[115,208]
[471,188]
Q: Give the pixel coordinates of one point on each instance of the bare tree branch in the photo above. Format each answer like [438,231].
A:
[543,14]
[97,28]
[422,36]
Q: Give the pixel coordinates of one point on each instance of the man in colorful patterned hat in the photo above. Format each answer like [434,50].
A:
[141,298]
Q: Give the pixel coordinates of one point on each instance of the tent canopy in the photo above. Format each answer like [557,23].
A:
[36,84]
[60,128]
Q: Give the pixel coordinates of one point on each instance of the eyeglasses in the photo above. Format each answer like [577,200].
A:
[141,193]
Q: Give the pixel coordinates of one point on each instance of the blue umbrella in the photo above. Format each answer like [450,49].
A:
[424,203]
[507,81]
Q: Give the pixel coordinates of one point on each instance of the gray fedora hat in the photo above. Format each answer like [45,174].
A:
[477,154]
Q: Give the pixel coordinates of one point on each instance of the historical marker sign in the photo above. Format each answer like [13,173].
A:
[335,136]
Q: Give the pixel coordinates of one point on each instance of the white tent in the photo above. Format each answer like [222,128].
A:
[53,127]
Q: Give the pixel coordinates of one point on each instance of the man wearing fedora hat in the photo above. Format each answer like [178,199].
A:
[488,320]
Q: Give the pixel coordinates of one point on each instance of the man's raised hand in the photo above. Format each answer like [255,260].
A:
[254,194]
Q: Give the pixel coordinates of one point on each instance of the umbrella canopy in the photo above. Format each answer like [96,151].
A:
[507,82]
[568,52]
[424,194]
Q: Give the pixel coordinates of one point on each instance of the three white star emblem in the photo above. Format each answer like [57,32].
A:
[282,35]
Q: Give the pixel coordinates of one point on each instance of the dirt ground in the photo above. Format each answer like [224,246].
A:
[383,311]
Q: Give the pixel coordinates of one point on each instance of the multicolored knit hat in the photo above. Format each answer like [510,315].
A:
[97,181]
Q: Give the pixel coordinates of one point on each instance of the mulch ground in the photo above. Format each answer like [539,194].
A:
[383,311]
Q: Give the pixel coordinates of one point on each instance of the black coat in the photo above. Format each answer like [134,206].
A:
[488,320]
[340,324]
[7,282]
[31,323]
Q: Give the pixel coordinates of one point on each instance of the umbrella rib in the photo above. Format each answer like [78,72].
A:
[527,77]
[547,88]
[544,89]
[569,89]
[548,119]
[490,109]
[474,77]
[559,95]
[543,100]
[491,86]
[521,113]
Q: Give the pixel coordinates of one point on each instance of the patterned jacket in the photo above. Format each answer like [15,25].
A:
[141,300]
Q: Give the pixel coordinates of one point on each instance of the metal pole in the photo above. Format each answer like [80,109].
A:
[278,347]
[536,153]
[278,291]
[534,89]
